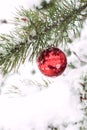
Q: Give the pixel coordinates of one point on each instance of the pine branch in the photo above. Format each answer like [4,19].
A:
[40,29]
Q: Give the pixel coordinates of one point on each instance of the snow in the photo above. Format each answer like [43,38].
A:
[27,105]
[39,110]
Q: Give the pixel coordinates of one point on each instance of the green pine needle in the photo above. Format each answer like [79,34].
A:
[50,26]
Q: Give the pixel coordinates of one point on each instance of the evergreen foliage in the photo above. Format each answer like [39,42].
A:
[54,24]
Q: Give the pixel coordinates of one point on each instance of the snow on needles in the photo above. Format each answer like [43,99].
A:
[57,105]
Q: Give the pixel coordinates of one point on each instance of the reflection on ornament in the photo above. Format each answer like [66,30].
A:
[52,62]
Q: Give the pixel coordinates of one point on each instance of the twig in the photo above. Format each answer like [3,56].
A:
[3,21]
[79,58]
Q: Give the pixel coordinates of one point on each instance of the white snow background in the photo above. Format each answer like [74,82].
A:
[25,102]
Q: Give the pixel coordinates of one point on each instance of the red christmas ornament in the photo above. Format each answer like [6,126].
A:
[52,62]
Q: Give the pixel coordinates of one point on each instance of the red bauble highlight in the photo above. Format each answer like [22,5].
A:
[52,62]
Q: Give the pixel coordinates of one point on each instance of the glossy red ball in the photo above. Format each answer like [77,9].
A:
[52,62]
